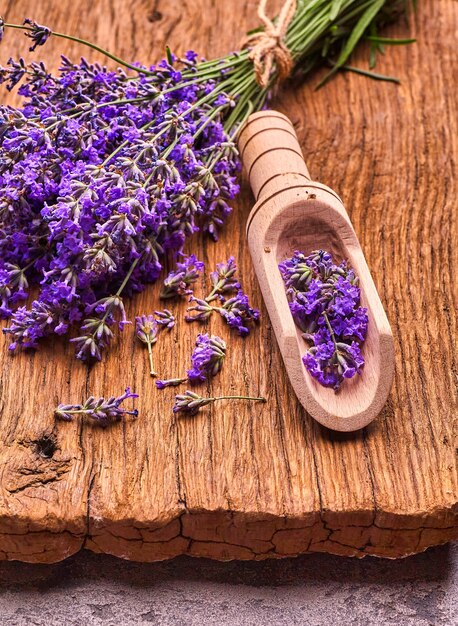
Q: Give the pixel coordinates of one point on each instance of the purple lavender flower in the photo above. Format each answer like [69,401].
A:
[28,326]
[324,300]
[101,176]
[178,281]
[171,382]
[14,73]
[165,319]
[201,310]
[239,314]
[207,360]
[37,33]
[223,279]
[190,403]
[236,312]
[100,410]
[146,329]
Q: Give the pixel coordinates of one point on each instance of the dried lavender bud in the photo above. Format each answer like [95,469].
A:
[146,329]
[171,382]
[207,360]
[165,319]
[178,282]
[100,410]
[324,299]
[202,310]
[223,279]
[190,402]
[37,33]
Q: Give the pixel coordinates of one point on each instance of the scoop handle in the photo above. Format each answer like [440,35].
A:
[271,153]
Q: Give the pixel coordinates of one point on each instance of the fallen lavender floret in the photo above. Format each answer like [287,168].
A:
[146,329]
[324,299]
[207,360]
[239,314]
[190,402]
[236,311]
[223,279]
[201,310]
[100,410]
[165,318]
[179,281]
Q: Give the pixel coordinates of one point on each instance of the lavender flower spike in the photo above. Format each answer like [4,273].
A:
[201,310]
[100,410]
[178,282]
[190,402]
[146,329]
[171,382]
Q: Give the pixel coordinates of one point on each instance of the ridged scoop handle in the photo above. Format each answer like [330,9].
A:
[270,152]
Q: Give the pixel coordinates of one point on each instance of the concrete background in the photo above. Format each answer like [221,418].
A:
[314,590]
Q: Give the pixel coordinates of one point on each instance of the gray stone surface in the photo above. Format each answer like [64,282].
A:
[313,590]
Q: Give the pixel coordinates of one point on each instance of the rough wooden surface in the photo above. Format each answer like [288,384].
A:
[257,481]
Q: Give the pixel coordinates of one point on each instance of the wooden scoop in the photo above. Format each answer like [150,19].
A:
[292,212]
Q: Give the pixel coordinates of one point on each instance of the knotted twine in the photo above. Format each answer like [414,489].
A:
[267,48]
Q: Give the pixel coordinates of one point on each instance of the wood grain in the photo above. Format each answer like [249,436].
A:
[257,481]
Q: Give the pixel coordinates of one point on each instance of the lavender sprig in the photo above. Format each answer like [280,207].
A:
[324,299]
[100,410]
[146,329]
[207,360]
[190,402]
[37,33]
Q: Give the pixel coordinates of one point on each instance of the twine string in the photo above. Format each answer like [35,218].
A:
[267,48]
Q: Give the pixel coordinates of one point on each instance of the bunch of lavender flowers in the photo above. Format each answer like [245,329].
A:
[103,172]
[207,360]
[100,410]
[102,175]
[324,299]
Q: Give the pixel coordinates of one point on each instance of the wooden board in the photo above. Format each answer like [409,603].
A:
[257,481]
